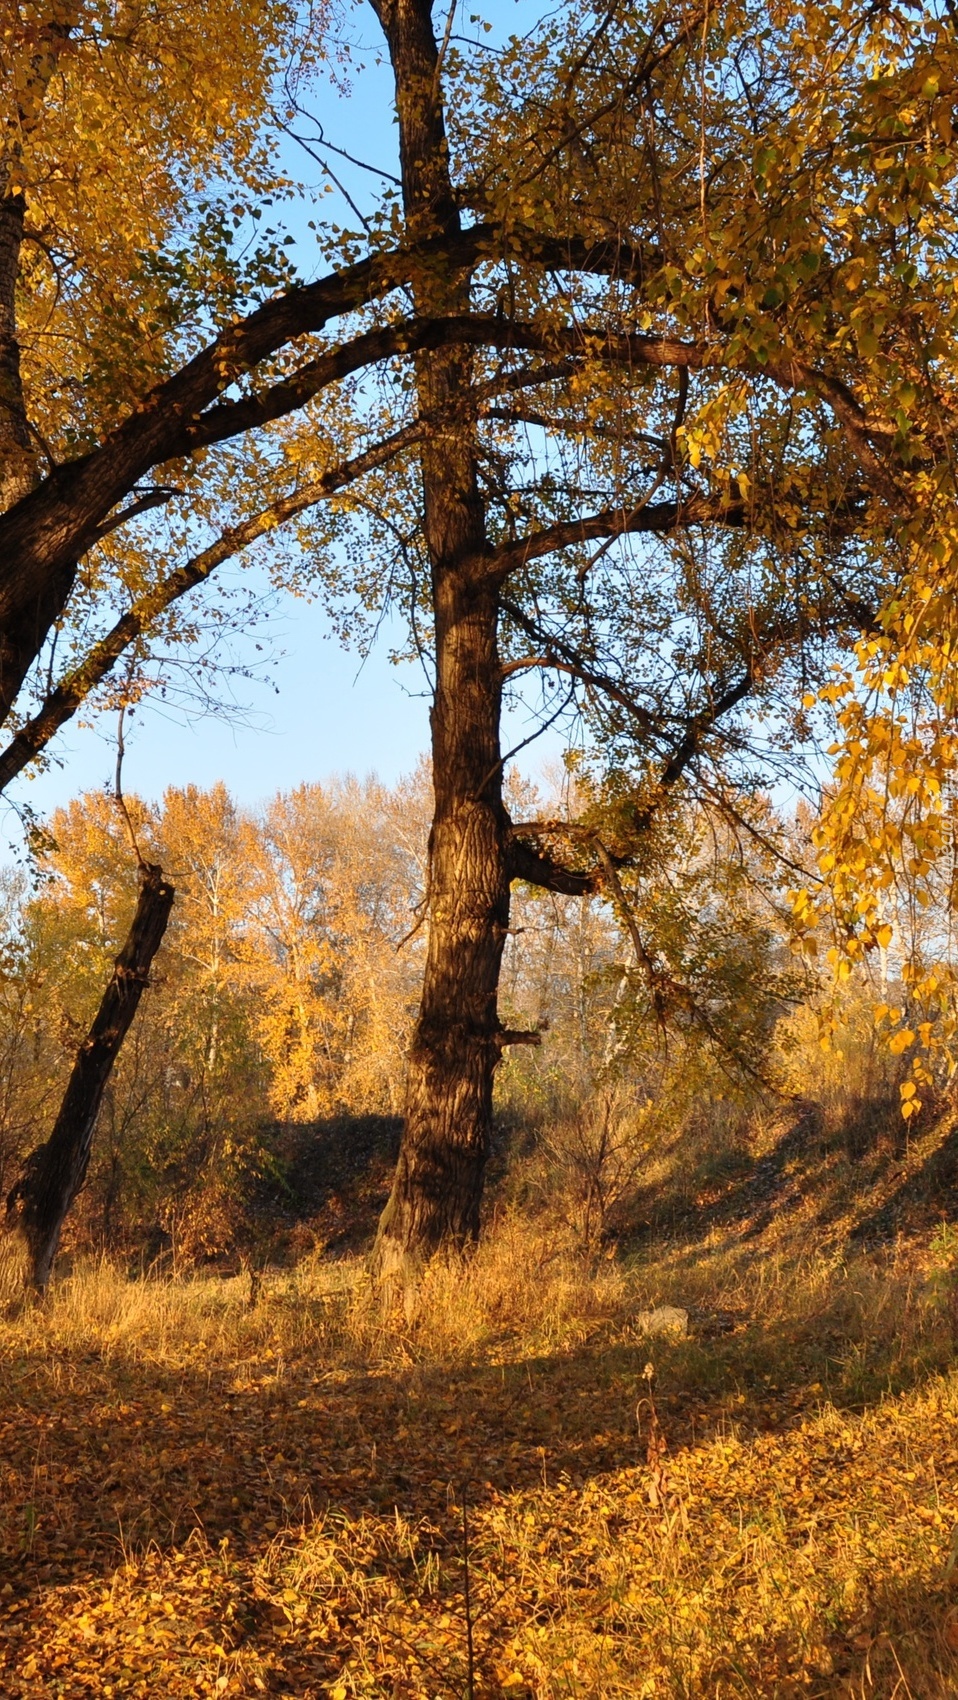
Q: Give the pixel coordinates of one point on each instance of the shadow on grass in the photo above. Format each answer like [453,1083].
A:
[926,1196]
[758,1191]
[336,1175]
[900,1646]
[109,1459]
[109,1450]
[864,1182]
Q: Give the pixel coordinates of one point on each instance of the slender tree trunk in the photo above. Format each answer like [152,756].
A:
[18,467]
[456,1045]
[23,90]
[53,1175]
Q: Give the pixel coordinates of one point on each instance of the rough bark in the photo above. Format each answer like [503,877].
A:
[437,1190]
[38,1203]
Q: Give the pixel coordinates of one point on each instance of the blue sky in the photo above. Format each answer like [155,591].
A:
[323,709]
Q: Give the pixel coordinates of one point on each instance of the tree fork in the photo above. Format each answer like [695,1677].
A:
[38,1203]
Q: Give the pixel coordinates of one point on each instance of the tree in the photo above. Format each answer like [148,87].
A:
[717,274]
[324,945]
[180,1102]
[53,1174]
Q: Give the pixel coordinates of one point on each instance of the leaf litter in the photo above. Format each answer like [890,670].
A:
[196,1519]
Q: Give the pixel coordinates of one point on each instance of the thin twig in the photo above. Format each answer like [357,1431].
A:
[118,787]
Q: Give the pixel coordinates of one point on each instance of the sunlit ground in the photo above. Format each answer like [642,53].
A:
[204,1498]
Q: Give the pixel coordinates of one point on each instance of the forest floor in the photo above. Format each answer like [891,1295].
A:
[508,1490]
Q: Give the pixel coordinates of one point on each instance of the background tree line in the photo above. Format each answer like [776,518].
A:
[283,998]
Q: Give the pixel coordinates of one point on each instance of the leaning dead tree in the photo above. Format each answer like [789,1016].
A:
[51,1178]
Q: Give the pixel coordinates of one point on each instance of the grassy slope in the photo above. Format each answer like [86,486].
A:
[202,1498]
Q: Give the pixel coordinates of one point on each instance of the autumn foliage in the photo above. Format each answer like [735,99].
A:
[631,387]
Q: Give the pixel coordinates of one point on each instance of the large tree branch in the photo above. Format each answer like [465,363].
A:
[63,701]
[633,350]
[636,350]
[417,336]
[45,533]
[176,418]
[658,518]
[161,422]
[529,862]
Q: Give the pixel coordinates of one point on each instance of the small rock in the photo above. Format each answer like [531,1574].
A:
[665,1319]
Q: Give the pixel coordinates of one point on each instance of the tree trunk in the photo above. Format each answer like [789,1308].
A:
[25,93]
[18,467]
[52,1175]
[457,1041]
[456,1045]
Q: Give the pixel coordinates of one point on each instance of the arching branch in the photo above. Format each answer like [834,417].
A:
[62,702]
[44,534]
[47,531]
[418,336]
[657,518]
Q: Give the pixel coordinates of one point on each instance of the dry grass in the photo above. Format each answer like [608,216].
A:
[525,1290]
[206,1498]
